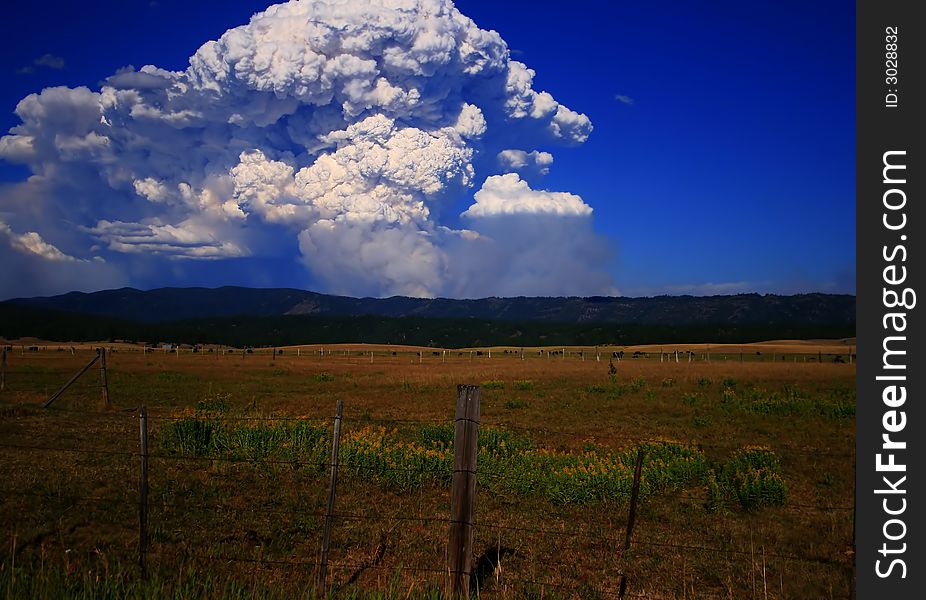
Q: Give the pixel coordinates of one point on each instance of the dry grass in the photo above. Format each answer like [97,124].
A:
[260,512]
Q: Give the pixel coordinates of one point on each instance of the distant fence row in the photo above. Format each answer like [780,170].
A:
[678,353]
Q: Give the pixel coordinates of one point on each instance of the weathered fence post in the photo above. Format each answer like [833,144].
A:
[3,370]
[632,514]
[332,491]
[103,384]
[143,493]
[463,492]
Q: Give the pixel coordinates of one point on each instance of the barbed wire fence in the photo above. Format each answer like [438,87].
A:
[462,573]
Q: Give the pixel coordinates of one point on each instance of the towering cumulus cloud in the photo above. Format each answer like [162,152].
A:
[342,130]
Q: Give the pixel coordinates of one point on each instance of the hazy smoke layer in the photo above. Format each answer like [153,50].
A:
[342,130]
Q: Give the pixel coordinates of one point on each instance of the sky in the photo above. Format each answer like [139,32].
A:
[429,148]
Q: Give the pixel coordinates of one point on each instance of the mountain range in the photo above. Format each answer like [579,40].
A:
[246,316]
[173,304]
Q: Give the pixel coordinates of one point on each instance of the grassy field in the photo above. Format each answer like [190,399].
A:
[747,487]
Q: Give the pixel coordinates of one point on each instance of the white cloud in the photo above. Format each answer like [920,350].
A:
[520,160]
[187,240]
[509,195]
[343,129]
[32,243]
[624,99]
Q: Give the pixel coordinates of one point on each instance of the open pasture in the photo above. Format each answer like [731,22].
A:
[747,487]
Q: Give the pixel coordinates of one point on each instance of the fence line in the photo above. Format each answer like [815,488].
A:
[791,558]
[76,450]
[587,536]
[125,413]
[790,504]
[568,533]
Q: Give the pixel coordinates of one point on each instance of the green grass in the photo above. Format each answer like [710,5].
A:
[516,404]
[508,462]
[637,384]
[751,478]
[789,401]
[493,384]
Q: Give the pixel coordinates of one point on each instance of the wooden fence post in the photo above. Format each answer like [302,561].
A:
[332,491]
[632,515]
[143,493]
[103,384]
[463,491]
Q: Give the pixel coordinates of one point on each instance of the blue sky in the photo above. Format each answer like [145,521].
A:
[721,159]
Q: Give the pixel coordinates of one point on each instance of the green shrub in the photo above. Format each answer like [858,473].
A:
[728,396]
[516,404]
[691,399]
[751,478]
[435,435]
[508,461]
[493,384]
[193,436]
